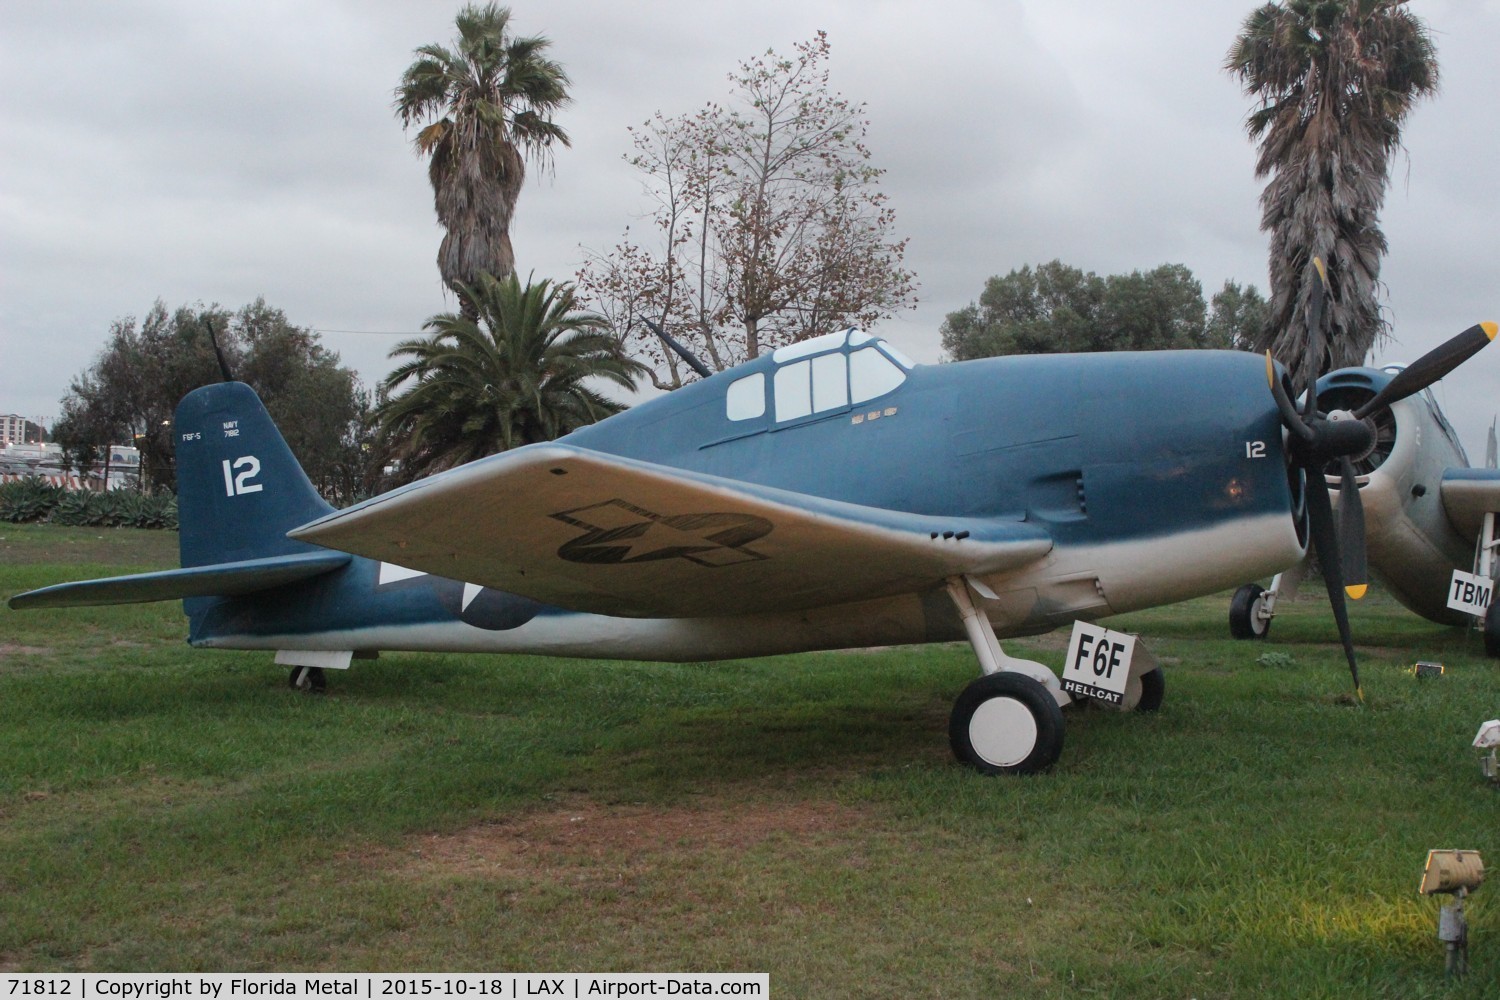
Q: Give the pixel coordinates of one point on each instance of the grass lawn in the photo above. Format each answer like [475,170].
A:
[169,809]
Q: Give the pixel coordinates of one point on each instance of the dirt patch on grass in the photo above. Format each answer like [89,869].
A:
[588,834]
[38,544]
[13,649]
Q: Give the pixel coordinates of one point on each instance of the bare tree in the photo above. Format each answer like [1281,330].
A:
[769,226]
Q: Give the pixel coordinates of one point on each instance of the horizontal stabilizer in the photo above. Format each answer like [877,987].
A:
[1468,495]
[219,580]
[609,535]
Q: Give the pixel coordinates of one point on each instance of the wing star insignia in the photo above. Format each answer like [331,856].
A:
[617,532]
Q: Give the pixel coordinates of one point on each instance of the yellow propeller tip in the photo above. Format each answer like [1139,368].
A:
[1322,271]
[1356,592]
[1489,329]
[1271,370]
[1361,693]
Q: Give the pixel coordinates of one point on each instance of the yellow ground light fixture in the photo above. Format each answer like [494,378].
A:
[1457,873]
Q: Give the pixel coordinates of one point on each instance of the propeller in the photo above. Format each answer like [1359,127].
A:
[1318,439]
[1429,368]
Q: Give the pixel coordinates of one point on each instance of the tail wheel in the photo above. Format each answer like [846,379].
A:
[1245,620]
[1006,723]
[309,680]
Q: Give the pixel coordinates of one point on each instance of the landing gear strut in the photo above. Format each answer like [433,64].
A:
[1253,606]
[1489,546]
[309,680]
[1010,720]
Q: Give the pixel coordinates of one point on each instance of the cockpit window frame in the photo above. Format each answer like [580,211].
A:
[816,379]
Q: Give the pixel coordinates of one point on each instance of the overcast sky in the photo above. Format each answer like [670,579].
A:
[218,151]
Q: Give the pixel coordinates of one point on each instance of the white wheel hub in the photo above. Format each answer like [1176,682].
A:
[1002,732]
[1258,620]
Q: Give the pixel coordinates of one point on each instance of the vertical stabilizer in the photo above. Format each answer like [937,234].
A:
[239,489]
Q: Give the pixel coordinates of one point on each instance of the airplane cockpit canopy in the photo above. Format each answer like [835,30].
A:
[814,376]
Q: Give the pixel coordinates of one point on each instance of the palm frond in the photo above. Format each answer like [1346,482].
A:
[520,371]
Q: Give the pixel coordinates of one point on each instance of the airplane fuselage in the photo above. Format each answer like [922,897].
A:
[1157,476]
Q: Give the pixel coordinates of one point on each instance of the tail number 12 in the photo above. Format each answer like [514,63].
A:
[238,476]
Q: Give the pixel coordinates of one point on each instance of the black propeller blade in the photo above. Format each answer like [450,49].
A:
[1352,532]
[1315,339]
[1326,544]
[1289,415]
[1318,439]
[1429,368]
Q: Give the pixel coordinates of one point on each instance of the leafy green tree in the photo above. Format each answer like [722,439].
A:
[770,226]
[517,374]
[91,420]
[1055,308]
[488,104]
[131,391]
[1237,317]
[1335,80]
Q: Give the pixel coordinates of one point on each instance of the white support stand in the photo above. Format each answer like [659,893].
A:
[992,659]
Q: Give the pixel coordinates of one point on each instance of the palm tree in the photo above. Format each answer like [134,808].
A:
[493,97]
[1335,80]
[517,374]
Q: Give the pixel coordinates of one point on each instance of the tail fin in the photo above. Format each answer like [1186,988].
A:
[239,491]
[239,488]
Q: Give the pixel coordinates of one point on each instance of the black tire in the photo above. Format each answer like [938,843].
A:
[1006,723]
[1492,630]
[1148,691]
[309,680]
[1153,691]
[1244,622]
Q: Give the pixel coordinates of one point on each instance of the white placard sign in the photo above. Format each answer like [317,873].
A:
[1470,593]
[1098,663]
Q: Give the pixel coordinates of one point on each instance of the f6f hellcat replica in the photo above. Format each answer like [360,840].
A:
[828,495]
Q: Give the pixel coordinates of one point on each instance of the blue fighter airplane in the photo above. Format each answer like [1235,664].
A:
[828,495]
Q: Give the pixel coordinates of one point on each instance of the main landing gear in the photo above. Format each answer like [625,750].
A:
[1010,720]
[1253,606]
[1249,613]
[1006,723]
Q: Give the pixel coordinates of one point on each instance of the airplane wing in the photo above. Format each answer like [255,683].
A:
[594,532]
[1469,494]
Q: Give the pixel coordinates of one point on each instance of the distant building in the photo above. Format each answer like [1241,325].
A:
[13,428]
[21,461]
